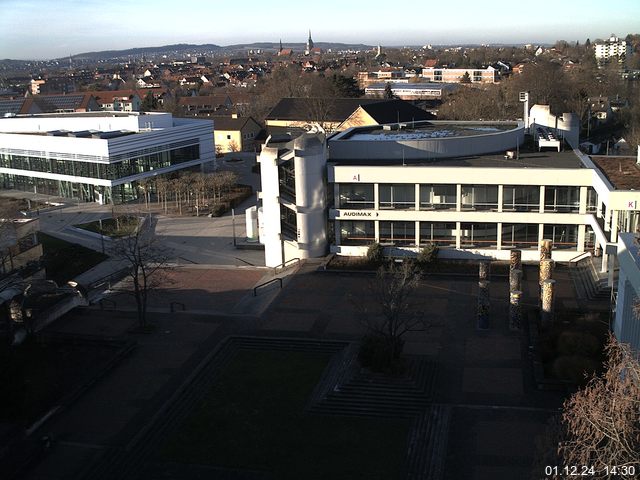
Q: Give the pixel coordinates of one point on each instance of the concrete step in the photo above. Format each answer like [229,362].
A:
[427,444]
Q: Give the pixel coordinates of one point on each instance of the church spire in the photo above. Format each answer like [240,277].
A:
[309,44]
[280,50]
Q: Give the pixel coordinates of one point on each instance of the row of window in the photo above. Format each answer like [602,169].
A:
[110,171]
[473,197]
[444,234]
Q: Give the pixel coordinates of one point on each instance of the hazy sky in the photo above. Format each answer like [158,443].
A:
[43,29]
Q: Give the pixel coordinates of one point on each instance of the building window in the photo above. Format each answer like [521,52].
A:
[288,223]
[438,197]
[519,235]
[592,200]
[562,199]
[478,235]
[287,179]
[479,197]
[354,232]
[564,237]
[521,198]
[356,195]
[441,234]
[402,196]
[398,233]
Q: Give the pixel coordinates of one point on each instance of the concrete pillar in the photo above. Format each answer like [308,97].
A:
[458,242]
[515,280]
[484,270]
[458,198]
[546,270]
[546,246]
[614,226]
[515,310]
[500,200]
[541,199]
[417,196]
[583,200]
[483,305]
[548,294]
[611,266]
[582,233]
[515,260]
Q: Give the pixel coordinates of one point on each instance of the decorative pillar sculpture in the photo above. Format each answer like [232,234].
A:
[515,277]
[484,270]
[546,246]
[548,288]
[515,260]
[483,305]
[546,269]
[515,311]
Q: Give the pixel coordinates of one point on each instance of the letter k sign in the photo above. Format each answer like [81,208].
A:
[631,204]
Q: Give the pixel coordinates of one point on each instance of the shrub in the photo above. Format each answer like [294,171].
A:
[375,253]
[427,254]
[575,368]
[578,343]
[375,355]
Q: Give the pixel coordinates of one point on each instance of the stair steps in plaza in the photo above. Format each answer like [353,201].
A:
[427,444]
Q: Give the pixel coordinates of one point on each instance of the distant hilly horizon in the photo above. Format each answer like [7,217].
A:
[208,47]
[183,48]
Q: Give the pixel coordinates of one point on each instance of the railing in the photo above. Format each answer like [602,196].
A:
[273,280]
[284,265]
[108,279]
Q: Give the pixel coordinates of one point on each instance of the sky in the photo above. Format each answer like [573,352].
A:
[46,29]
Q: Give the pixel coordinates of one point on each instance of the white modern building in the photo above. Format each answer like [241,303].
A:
[626,324]
[410,91]
[98,156]
[613,47]
[456,75]
[475,189]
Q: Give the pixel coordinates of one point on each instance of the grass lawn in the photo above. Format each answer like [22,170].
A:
[253,418]
[34,375]
[123,227]
[64,261]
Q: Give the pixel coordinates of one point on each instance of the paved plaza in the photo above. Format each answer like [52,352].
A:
[483,378]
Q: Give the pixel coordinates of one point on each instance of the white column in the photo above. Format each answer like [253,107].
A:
[458,234]
[417,195]
[614,226]
[499,234]
[583,200]
[541,201]
[458,202]
[417,227]
[581,236]
[500,197]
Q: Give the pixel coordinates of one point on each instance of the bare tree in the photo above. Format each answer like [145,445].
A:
[602,421]
[396,308]
[145,260]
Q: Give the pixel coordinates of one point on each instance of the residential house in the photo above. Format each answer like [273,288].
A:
[295,115]
[119,100]
[235,134]
[204,105]
[75,102]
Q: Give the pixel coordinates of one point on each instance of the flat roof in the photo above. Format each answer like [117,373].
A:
[622,172]
[527,158]
[427,130]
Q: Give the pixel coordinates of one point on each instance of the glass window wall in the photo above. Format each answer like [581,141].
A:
[564,237]
[521,198]
[438,233]
[562,199]
[520,235]
[438,197]
[398,233]
[478,235]
[479,197]
[356,195]
[398,196]
[355,232]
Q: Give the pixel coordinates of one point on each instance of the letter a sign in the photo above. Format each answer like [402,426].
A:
[356,178]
